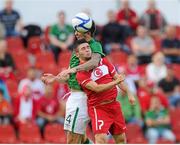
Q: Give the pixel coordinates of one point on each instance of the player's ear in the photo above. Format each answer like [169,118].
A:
[77,53]
[87,34]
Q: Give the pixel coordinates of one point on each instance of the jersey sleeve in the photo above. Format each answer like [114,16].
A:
[71,30]
[96,47]
[83,78]
[53,30]
[111,68]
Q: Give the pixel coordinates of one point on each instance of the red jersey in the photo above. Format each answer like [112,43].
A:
[49,105]
[129,16]
[145,99]
[103,74]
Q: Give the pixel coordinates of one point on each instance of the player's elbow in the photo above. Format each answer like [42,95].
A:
[95,60]
[96,64]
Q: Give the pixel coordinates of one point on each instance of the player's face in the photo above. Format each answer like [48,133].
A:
[84,51]
[79,35]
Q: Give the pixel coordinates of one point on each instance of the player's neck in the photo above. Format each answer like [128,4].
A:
[88,38]
[82,61]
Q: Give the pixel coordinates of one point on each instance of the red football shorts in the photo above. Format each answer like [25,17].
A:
[107,118]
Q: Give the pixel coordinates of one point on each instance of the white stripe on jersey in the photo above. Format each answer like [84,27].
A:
[95,113]
[99,72]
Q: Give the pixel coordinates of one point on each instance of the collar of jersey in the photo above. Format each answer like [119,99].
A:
[91,41]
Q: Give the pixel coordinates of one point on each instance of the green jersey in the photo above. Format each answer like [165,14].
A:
[96,48]
[61,33]
[155,115]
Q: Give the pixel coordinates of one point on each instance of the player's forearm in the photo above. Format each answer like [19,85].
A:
[124,88]
[42,114]
[171,51]
[19,25]
[91,64]
[61,79]
[122,85]
[165,120]
[70,40]
[105,87]
[101,87]
[55,41]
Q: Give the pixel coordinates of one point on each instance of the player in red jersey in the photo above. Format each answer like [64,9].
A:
[100,87]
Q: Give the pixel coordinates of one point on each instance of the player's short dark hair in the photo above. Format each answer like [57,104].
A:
[79,42]
[93,28]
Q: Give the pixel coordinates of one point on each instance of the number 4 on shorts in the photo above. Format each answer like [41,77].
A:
[68,119]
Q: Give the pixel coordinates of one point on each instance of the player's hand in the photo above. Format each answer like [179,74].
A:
[50,118]
[66,72]
[48,78]
[63,77]
[120,78]
[132,99]
[63,47]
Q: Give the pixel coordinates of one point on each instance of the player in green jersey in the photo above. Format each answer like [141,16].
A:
[76,118]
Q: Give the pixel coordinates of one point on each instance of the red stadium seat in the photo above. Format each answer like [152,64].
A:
[177,134]
[22,61]
[14,44]
[164,141]
[134,133]
[178,31]
[54,133]
[176,68]
[157,42]
[64,59]
[35,45]
[48,67]
[29,133]
[14,53]
[142,69]
[45,62]
[12,86]
[138,140]
[128,41]
[46,35]
[174,114]
[7,134]
[118,58]
[45,56]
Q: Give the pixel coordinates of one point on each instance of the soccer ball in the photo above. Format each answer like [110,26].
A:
[82,22]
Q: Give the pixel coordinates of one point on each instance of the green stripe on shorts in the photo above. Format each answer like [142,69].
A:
[75,117]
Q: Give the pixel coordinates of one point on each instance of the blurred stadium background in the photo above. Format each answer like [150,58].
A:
[140,37]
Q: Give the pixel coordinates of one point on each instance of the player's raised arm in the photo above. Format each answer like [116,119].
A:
[93,86]
[125,89]
[50,78]
[89,65]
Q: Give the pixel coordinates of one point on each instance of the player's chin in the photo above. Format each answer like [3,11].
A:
[88,57]
[79,37]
